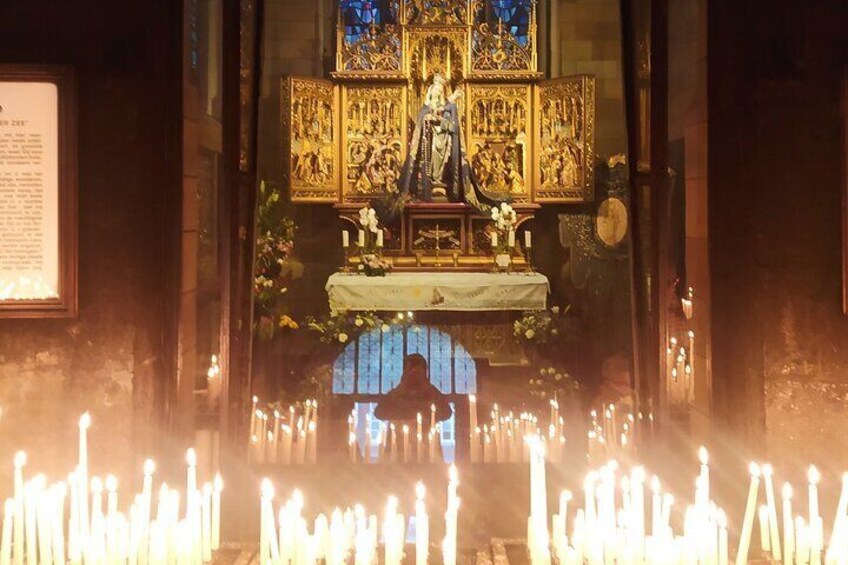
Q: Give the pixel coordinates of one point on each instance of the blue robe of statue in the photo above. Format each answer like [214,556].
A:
[461,185]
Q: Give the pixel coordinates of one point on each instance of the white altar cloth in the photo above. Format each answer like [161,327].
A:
[462,292]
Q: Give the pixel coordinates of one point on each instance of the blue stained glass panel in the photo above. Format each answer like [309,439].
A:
[344,370]
[513,15]
[392,358]
[368,365]
[440,361]
[464,371]
[418,341]
[359,15]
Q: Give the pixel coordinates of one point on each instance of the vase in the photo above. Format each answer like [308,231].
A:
[503,261]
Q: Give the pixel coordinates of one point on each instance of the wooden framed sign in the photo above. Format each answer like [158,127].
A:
[38,192]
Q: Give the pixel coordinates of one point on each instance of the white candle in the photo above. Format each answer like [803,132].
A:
[8,523]
[494,239]
[345,239]
[82,476]
[206,516]
[528,239]
[360,239]
[20,461]
[788,525]
[379,238]
[216,511]
[511,238]
[722,538]
[656,506]
[772,513]
[763,521]
[472,428]
[841,508]
[422,526]
[748,522]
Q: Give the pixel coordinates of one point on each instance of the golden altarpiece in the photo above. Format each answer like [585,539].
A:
[346,139]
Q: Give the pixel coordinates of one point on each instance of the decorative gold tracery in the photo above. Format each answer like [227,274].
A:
[308,110]
[565,160]
[499,137]
[439,12]
[495,50]
[374,142]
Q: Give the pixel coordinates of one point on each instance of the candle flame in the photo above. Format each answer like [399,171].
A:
[754,469]
[267,489]
[191,457]
[20,459]
[111,483]
[767,469]
[207,489]
[420,491]
[219,482]
[787,491]
[813,475]
[96,485]
[655,484]
[149,467]
[703,455]
[85,421]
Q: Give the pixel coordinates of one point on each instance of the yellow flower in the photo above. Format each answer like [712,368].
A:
[529,334]
[342,337]
[384,327]
[618,159]
[359,321]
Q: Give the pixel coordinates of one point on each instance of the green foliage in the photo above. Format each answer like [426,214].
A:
[275,266]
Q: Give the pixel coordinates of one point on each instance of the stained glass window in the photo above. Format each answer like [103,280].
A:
[513,16]
[373,364]
[360,15]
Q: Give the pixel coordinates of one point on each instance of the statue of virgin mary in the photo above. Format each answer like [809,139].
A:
[436,167]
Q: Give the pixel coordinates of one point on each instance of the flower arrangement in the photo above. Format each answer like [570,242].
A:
[539,327]
[552,383]
[369,238]
[342,327]
[276,267]
[505,220]
[372,265]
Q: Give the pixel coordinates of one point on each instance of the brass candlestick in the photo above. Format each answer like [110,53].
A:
[527,259]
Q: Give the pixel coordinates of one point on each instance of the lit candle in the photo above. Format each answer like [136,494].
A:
[763,521]
[312,442]
[345,239]
[472,427]
[20,461]
[656,506]
[422,526]
[379,238]
[748,522]
[218,486]
[407,448]
[191,471]
[82,476]
[772,513]
[8,523]
[528,239]
[841,508]
[788,525]
[206,519]
[419,438]
[722,538]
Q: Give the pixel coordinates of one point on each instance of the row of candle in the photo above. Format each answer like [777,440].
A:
[285,538]
[286,437]
[612,433]
[510,239]
[501,439]
[38,528]
[414,446]
[680,359]
[611,526]
[360,238]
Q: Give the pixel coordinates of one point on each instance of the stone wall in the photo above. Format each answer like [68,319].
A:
[775,189]
[587,40]
[112,359]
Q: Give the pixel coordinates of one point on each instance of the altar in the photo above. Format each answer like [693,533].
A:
[436,291]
